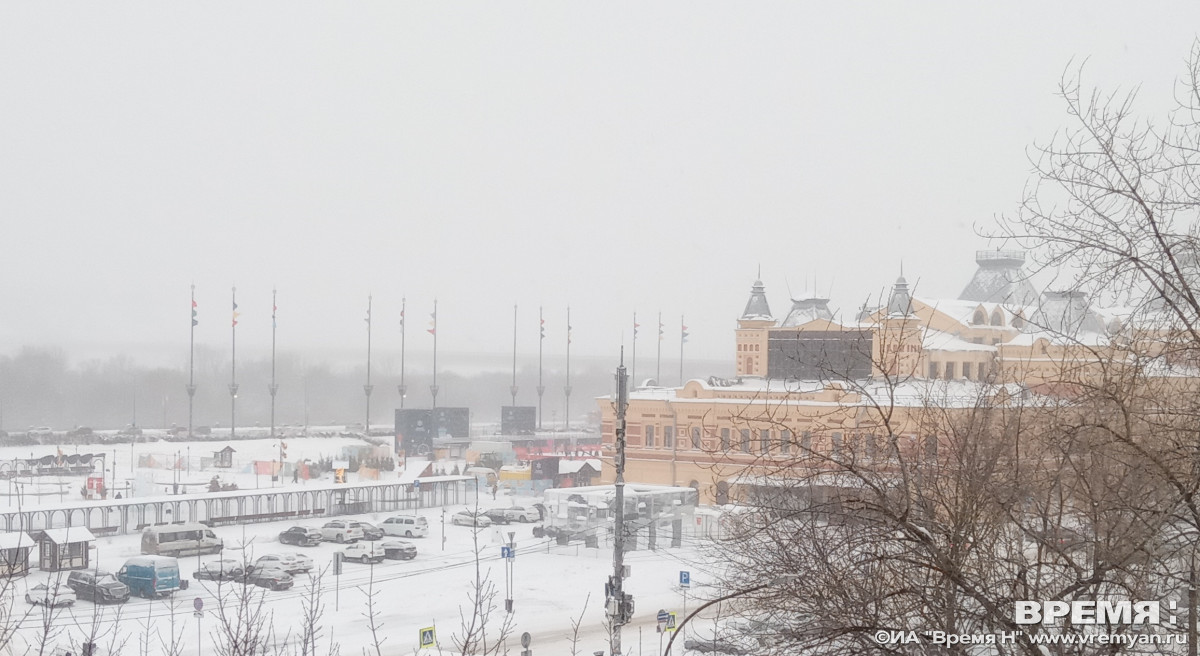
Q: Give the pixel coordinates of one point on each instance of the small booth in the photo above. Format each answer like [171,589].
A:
[223,458]
[64,548]
[14,553]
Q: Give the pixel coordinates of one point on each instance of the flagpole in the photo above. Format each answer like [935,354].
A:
[191,386]
[402,388]
[273,388]
[541,389]
[658,360]
[682,341]
[233,387]
[433,389]
[567,387]
[513,387]
[633,376]
[368,387]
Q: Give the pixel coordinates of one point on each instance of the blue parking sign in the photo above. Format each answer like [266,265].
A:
[685,578]
[506,552]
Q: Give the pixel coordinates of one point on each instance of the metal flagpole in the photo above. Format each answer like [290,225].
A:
[233,387]
[191,386]
[541,389]
[633,360]
[367,388]
[273,388]
[567,387]
[683,335]
[658,360]
[513,388]
[433,389]
[402,388]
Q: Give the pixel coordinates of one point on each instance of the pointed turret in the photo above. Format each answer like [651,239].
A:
[1000,279]
[900,303]
[757,308]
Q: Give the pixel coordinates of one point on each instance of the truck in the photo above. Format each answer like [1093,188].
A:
[150,576]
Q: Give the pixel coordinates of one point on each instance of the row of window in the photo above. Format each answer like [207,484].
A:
[767,441]
[970,371]
[748,347]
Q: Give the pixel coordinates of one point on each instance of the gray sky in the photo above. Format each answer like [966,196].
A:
[611,156]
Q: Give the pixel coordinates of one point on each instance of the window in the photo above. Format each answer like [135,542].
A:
[805,441]
[745,440]
[835,445]
[764,438]
[669,437]
[997,318]
[949,371]
[872,446]
[724,439]
[979,318]
[967,370]
[933,370]
[649,436]
[785,441]
[696,441]
[931,448]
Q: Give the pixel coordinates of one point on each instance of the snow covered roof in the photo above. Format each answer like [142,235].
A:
[1000,279]
[900,302]
[757,308]
[806,308]
[14,539]
[69,534]
[573,466]
[937,340]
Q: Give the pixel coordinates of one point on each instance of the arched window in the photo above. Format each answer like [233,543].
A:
[980,318]
[1018,322]
[997,317]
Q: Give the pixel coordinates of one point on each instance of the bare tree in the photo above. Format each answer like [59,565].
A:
[372,614]
[479,632]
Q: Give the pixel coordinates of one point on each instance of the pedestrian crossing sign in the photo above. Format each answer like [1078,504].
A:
[671,622]
[428,637]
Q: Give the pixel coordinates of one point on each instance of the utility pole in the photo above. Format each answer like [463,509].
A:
[619,605]
[191,386]
[513,388]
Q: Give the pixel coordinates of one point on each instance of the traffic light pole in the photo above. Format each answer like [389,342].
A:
[618,604]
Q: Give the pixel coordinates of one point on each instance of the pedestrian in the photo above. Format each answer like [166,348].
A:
[295,474]
[494,489]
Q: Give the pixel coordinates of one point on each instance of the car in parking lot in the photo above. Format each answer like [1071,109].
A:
[292,563]
[225,569]
[270,576]
[371,531]
[340,530]
[470,518]
[398,550]
[408,526]
[52,594]
[497,515]
[301,536]
[523,514]
[98,587]
[365,552]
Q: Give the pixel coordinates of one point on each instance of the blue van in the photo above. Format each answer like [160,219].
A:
[150,576]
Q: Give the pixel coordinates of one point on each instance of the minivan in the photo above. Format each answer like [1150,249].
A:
[180,540]
[150,576]
[407,526]
[99,587]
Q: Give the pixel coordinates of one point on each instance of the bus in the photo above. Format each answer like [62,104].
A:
[180,540]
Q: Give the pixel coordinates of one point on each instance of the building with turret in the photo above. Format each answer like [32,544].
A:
[810,383]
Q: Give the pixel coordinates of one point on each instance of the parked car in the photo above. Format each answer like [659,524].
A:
[225,569]
[150,576]
[470,518]
[301,536]
[365,552]
[523,514]
[409,526]
[497,515]
[292,563]
[53,594]
[715,646]
[340,530]
[371,531]
[98,587]
[398,550]
[270,576]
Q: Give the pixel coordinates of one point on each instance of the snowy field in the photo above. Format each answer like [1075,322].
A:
[551,583]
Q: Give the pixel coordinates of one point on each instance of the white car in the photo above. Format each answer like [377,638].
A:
[291,563]
[54,594]
[365,552]
[522,514]
[470,518]
[407,526]
[340,530]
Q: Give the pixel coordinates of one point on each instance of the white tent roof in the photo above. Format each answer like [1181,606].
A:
[71,534]
[14,539]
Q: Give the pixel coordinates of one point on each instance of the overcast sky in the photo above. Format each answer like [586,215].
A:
[610,156]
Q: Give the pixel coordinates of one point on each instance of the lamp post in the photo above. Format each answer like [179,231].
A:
[777,581]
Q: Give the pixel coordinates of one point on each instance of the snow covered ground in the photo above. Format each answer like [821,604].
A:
[551,583]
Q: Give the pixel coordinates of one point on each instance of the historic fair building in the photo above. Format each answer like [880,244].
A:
[810,383]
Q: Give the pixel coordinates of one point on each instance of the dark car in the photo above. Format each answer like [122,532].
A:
[269,576]
[98,587]
[221,570]
[498,516]
[371,532]
[398,550]
[300,536]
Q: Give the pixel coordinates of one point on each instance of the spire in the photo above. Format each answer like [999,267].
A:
[757,307]
[900,304]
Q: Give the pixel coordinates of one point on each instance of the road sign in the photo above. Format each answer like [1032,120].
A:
[671,622]
[198,604]
[685,578]
[428,637]
[417,484]
[337,563]
[506,552]
[526,639]
[663,616]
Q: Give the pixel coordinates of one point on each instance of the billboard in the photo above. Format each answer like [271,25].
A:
[452,422]
[518,420]
[414,432]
